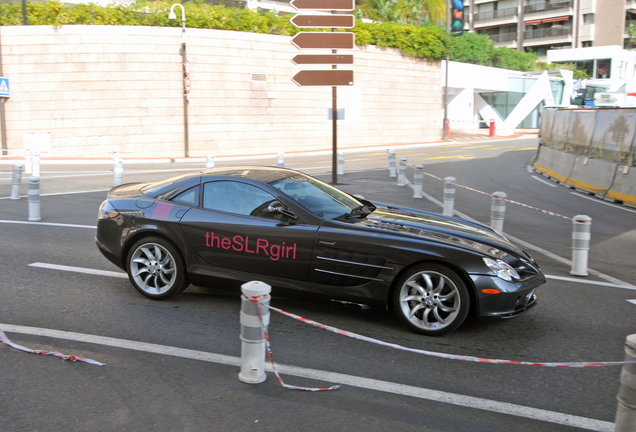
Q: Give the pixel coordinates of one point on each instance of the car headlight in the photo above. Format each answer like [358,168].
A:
[107,211]
[502,269]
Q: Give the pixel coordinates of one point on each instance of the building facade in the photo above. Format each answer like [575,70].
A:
[542,25]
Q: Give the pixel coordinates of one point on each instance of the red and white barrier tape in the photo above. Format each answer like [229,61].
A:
[442,355]
[271,359]
[505,199]
[73,358]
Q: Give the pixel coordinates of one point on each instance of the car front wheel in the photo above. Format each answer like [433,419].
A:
[155,268]
[431,299]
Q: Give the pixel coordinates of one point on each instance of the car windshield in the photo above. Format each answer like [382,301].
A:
[319,198]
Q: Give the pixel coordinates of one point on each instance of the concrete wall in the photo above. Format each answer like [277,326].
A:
[94,88]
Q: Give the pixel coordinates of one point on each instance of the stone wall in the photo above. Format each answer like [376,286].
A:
[95,88]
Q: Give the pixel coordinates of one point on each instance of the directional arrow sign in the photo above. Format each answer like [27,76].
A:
[331,59]
[343,5]
[323,21]
[324,40]
[329,77]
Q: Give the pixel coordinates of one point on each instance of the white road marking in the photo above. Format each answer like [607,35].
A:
[80,270]
[332,377]
[632,301]
[549,183]
[532,247]
[600,201]
[63,193]
[47,224]
[588,282]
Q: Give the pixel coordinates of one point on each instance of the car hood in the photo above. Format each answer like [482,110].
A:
[440,228]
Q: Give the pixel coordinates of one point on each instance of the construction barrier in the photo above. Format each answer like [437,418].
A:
[590,150]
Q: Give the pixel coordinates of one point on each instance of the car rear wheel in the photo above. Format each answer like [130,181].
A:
[155,268]
[431,299]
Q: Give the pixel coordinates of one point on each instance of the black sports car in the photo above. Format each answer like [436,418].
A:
[301,235]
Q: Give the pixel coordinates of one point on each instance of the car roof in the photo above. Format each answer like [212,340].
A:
[257,173]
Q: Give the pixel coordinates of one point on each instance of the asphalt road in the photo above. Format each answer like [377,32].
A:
[173,364]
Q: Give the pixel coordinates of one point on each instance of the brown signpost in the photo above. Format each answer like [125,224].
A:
[336,5]
[332,59]
[323,21]
[324,40]
[328,77]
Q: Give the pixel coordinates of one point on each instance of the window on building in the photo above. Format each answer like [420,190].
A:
[586,44]
[588,18]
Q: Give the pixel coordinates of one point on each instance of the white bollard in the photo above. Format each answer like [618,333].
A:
[581,234]
[341,161]
[280,161]
[626,411]
[402,172]
[418,180]
[17,178]
[209,161]
[449,196]
[498,211]
[28,162]
[36,164]
[253,345]
[391,163]
[34,199]
[118,172]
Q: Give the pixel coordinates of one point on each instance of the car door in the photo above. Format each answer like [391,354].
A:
[232,229]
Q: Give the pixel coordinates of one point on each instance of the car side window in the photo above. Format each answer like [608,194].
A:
[188,197]
[238,198]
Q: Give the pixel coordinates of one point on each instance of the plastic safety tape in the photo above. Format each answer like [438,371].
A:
[505,199]
[271,357]
[7,341]
[443,355]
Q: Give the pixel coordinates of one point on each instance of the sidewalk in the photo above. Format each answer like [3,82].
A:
[456,136]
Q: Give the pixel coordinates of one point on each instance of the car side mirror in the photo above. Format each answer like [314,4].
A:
[279,208]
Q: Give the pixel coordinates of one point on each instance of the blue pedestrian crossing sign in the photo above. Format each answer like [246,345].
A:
[4,87]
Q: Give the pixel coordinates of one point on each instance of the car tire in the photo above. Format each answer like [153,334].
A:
[156,269]
[431,299]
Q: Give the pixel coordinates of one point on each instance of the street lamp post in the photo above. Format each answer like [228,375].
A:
[186,72]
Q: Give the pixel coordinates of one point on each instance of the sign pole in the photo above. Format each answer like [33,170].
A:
[334,125]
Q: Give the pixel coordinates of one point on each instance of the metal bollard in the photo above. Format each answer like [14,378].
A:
[498,211]
[581,234]
[253,339]
[449,196]
[34,199]
[402,172]
[626,411]
[341,161]
[391,163]
[118,172]
[418,179]
[209,161]
[36,164]
[17,178]
[28,165]
[280,161]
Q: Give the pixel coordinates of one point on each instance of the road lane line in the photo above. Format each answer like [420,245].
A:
[48,224]
[611,279]
[350,380]
[79,270]
[589,282]
[549,183]
[599,201]
[62,193]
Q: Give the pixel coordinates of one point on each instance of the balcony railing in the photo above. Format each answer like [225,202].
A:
[547,33]
[501,13]
[547,6]
[503,37]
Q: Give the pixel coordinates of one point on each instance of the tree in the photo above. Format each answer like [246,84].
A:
[473,48]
